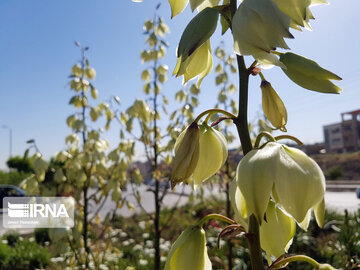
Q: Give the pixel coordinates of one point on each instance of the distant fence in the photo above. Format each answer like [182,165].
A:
[341,185]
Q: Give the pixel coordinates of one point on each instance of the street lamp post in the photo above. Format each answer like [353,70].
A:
[10,139]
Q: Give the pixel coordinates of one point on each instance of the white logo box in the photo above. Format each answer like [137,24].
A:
[38,212]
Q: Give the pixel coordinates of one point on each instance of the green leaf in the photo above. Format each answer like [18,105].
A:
[147,88]
[162,78]
[70,120]
[224,22]
[180,95]
[197,32]
[218,68]
[94,93]
[145,75]
[194,90]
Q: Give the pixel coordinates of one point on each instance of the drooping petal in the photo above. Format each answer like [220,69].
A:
[305,223]
[211,155]
[299,182]
[319,212]
[238,205]
[199,63]
[277,232]
[260,26]
[208,3]
[255,176]
[177,6]
[295,9]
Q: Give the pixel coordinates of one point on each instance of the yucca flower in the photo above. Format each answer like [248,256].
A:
[189,251]
[276,233]
[212,155]
[287,175]
[198,64]
[259,27]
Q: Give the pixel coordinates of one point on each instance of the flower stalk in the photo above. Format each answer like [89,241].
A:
[213,111]
[216,217]
[241,123]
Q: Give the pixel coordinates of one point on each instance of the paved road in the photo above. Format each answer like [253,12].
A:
[338,201]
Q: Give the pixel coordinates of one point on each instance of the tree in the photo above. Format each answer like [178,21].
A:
[87,171]
[20,164]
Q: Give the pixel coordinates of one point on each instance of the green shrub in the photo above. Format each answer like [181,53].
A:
[12,238]
[334,173]
[12,178]
[24,255]
[20,164]
[42,235]
[5,252]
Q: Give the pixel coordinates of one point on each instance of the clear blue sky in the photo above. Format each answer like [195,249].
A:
[37,51]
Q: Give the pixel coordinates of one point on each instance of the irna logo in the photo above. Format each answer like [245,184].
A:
[34,210]
[38,212]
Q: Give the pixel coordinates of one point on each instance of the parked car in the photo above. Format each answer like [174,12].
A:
[10,191]
[358,193]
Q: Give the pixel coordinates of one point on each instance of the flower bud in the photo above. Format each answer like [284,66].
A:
[189,251]
[194,165]
[276,234]
[273,106]
[186,154]
[293,179]
[198,64]
[308,74]
[259,27]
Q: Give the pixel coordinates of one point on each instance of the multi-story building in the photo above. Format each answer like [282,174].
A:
[344,136]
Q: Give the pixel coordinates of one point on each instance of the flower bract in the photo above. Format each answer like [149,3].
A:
[308,74]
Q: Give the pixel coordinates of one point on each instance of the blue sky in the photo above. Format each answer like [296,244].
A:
[37,51]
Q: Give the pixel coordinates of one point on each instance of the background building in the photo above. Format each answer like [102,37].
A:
[343,137]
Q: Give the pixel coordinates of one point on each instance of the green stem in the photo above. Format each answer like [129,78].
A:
[261,135]
[212,111]
[295,258]
[277,53]
[262,76]
[241,123]
[208,118]
[217,217]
